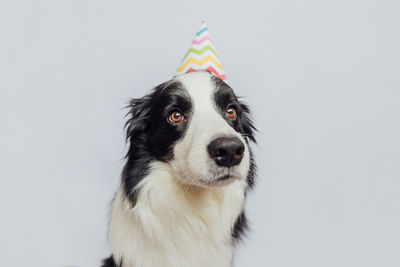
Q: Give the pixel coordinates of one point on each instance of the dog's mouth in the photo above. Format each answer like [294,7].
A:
[221,180]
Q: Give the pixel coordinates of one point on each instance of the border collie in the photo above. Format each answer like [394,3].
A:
[189,165]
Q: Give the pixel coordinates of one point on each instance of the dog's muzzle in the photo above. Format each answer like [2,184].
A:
[226,151]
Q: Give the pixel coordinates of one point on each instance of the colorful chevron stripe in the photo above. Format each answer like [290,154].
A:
[205,38]
[200,63]
[202,55]
[203,29]
[211,69]
[200,51]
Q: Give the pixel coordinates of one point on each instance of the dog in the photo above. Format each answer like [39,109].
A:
[188,169]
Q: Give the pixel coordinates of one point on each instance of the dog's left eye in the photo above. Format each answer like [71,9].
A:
[175,118]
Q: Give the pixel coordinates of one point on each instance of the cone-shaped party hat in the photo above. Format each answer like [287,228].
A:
[202,55]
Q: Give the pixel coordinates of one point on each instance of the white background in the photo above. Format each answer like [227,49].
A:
[322,78]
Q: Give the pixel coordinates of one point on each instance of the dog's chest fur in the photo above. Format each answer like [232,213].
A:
[173,225]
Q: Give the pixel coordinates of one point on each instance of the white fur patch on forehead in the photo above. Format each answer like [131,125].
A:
[199,86]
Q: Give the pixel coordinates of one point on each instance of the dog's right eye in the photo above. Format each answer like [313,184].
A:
[231,113]
[175,118]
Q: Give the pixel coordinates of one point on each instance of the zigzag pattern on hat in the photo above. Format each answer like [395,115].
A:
[202,55]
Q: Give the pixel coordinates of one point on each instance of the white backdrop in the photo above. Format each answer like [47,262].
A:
[322,78]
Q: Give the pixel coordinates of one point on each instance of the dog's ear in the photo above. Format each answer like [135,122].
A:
[138,115]
[247,122]
[136,128]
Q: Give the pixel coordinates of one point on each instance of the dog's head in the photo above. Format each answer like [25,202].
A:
[196,125]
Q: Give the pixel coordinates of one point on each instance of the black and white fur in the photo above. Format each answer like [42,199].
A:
[176,207]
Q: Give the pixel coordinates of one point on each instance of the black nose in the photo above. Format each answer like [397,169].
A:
[226,151]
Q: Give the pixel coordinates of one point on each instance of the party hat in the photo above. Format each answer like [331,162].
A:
[202,55]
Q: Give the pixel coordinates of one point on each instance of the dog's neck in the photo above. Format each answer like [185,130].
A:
[172,224]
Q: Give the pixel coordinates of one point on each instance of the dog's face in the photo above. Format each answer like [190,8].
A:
[196,125]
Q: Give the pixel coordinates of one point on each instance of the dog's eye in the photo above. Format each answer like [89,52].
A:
[175,117]
[231,113]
